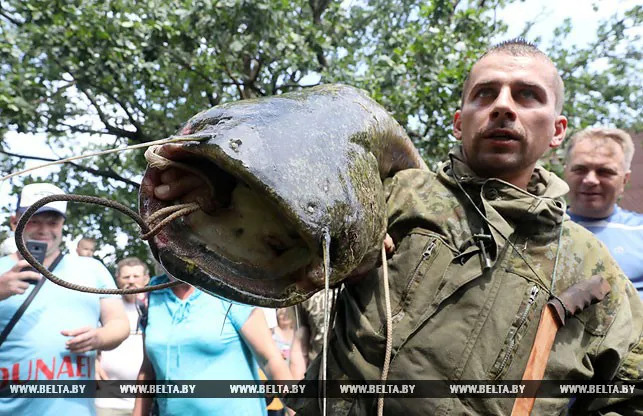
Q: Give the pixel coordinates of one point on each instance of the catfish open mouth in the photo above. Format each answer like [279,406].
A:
[242,246]
[293,178]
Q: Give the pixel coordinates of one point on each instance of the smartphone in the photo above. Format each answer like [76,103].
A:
[38,249]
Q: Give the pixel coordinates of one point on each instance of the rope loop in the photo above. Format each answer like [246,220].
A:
[145,232]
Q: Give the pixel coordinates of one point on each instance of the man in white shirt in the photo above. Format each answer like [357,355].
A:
[124,362]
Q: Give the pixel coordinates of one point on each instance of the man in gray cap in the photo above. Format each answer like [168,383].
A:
[57,335]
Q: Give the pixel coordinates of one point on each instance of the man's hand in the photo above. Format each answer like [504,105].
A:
[177,183]
[174,183]
[363,269]
[84,339]
[389,245]
[13,282]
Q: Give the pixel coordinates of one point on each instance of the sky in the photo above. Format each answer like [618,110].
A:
[550,14]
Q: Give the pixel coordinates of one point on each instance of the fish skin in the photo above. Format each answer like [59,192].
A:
[318,157]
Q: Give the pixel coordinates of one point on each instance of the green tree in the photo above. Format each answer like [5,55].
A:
[602,79]
[128,72]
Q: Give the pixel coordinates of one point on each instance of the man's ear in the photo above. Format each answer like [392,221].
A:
[13,222]
[560,129]
[621,191]
[457,125]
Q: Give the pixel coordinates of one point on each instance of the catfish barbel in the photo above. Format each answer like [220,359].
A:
[285,171]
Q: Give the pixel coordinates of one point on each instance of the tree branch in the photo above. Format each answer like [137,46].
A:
[273,81]
[251,70]
[213,98]
[84,130]
[318,7]
[9,18]
[289,86]
[582,58]
[236,83]
[117,131]
[130,116]
[189,67]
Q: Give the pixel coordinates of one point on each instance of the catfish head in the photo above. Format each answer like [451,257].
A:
[284,174]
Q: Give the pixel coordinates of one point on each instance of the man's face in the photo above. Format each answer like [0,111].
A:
[508,117]
[283,318]
[131,277]
[46,227]
[85,248]
[596,176]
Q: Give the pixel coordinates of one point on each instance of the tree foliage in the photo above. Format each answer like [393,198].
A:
[602,79]
[129,72]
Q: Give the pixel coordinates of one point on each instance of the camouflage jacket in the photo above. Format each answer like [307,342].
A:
[455,320]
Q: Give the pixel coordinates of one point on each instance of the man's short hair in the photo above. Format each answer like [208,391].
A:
[520,47]
[130,262]
[604,133]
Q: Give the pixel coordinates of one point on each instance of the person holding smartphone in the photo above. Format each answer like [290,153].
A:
[57,336]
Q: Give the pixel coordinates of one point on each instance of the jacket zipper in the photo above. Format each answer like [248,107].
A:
[425,254]
[523,318]
[428,250]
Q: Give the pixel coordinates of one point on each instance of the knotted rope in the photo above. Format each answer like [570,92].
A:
[146,233]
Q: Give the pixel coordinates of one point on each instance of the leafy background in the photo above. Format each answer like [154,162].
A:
[89,75]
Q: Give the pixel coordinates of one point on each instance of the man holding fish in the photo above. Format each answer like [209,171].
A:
[483,245]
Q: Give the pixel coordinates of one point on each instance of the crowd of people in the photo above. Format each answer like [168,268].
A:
[173,334]
[480,246]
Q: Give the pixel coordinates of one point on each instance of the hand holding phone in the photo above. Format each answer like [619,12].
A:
[16,280]
[38,249]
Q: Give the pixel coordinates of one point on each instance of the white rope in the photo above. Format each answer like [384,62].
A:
[172,139]
[324,369]
[389,331]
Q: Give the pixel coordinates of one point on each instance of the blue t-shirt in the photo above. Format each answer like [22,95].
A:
[190,340]
[35,348]
[622,233]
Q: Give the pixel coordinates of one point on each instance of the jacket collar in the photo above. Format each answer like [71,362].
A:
[537,211]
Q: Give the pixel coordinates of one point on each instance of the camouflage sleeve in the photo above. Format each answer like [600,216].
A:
[626,327]
[412,197]
[619,355]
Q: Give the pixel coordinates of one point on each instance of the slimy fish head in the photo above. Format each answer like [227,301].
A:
[282,172]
